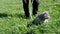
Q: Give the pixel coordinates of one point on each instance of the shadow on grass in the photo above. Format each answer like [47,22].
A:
[3,15]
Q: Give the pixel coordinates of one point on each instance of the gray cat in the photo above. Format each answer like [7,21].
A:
[44,17]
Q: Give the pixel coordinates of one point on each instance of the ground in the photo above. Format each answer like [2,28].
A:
[12,19]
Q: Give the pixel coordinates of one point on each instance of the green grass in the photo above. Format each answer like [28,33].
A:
[12,19]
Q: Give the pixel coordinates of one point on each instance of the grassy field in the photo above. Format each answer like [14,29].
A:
[12,19]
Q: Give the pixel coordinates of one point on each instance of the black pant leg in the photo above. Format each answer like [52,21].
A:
[26,7]
[35,4]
